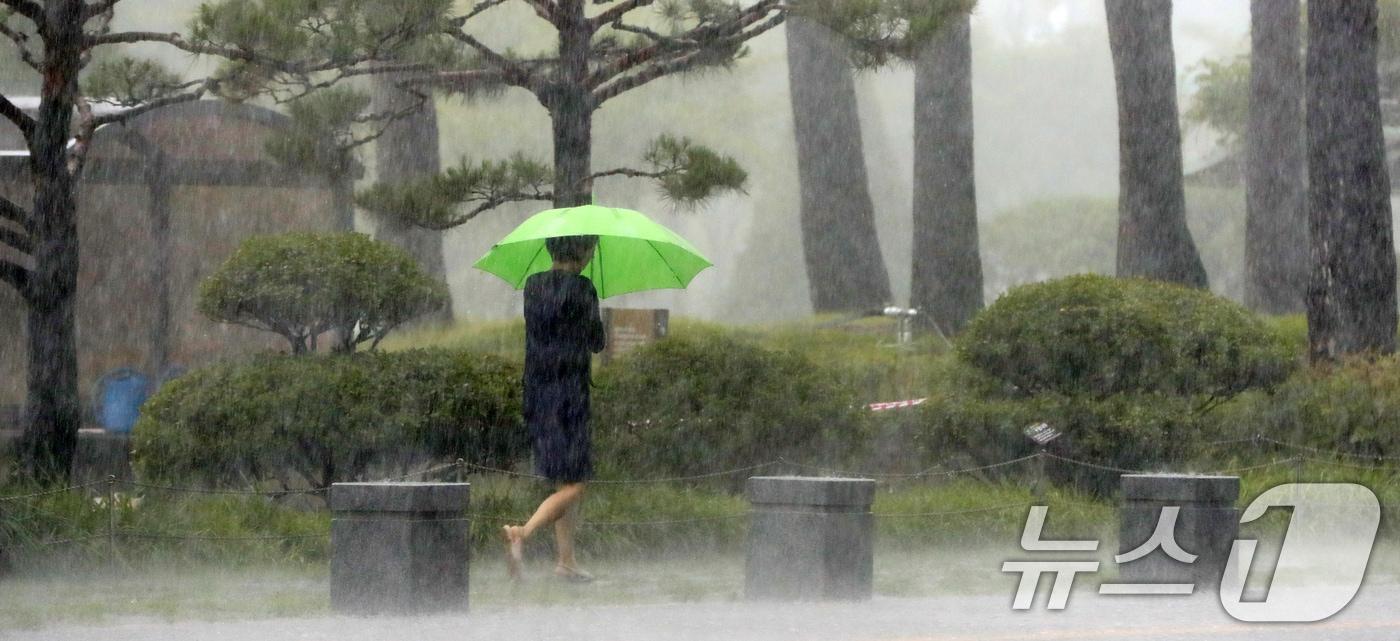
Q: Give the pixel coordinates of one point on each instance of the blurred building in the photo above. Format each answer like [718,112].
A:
[164,200]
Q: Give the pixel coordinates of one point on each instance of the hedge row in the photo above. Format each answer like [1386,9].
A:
[330,418]
[1127,370]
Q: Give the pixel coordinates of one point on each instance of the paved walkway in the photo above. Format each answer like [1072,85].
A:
[1374,615]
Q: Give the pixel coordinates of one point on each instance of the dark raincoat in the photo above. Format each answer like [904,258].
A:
[563,329]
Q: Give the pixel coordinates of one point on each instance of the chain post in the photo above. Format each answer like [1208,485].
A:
[1038,486]
[112,523]
[461,472]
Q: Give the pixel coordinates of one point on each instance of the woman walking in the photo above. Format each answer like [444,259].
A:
[562,331]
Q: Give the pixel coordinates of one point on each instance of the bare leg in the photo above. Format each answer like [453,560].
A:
[551,510]
[564,538]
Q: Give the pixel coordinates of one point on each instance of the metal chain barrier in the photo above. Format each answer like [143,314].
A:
[671,479]
[195,490]
[933,471]
[109,499]
[1316,450]
[35,495]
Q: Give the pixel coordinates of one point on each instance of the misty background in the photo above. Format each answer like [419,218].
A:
[1046,157]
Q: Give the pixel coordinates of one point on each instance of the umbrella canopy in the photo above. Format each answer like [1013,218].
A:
[634,252]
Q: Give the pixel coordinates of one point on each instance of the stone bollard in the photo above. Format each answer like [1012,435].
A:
[810,538]
[398,547]
[1206,525]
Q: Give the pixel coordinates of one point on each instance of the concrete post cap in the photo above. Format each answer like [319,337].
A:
[399,497]
[812,491]
[1190,488]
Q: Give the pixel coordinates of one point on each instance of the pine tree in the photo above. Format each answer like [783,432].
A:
[604,50]
[1276,242]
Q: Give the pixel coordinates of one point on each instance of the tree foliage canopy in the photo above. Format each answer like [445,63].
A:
[301,285]
[1221,102]
[686,173]
[435,201]
[322,136]
[884,31]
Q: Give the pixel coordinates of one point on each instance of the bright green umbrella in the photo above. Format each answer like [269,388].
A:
[634,252]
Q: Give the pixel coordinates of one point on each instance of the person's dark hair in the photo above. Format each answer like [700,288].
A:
[569,248]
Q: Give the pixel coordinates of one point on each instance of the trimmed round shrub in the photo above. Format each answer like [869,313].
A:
[710,401]
[330,418]
[1100,336]
[301,285]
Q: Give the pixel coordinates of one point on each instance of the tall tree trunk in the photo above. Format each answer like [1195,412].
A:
[1153,240]
[408,149]
[571,109]
[947,266]
[52,409]
[158,183]
[845,268]
[343,202]
[1276,227]
[1351,296]
[573,151]
[52,415]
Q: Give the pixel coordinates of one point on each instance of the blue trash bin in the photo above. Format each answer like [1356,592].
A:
[120,394]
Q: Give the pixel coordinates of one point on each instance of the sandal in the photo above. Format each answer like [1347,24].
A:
[572,575]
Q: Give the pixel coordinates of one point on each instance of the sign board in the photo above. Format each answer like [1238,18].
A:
[1041,433]
[629,329]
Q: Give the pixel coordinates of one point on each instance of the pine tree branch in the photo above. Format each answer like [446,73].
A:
[21,40]
[16,275]
[651,72]
[630,60]
[395,67]
[98,9]
[16,214]
[512,72]
[17,116]
[679,64]
[651,34]
[459,81]
[546,10]
[630,173]
[94,9]
[179,42]
[492,203]
[152,105]
[480,8]
[16,240]
[615,13]
[26,8]
[230,53]
[684,51]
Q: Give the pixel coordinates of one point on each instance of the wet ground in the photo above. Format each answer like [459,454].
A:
[1374,615]
[919,595]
